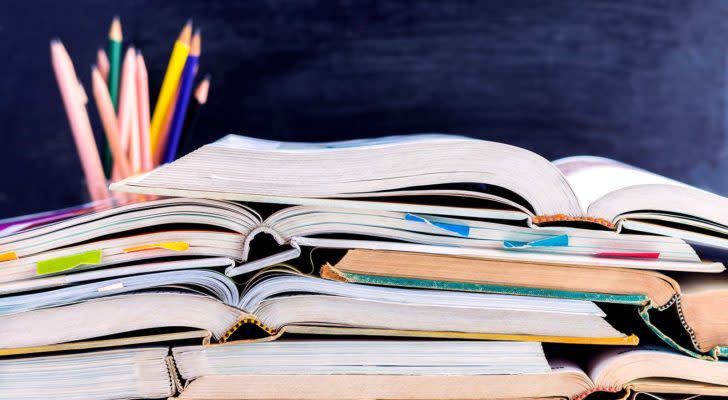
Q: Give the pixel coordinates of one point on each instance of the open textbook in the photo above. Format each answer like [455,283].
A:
[446,175]
[311,369]
[693,303]
[176,227]
[288,303]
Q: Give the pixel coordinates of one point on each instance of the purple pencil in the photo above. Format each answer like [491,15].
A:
[185,90]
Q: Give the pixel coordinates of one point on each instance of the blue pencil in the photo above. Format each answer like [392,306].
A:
[185,90]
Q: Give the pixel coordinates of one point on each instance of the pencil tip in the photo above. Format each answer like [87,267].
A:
[115,30]
[196,45]
[185,35]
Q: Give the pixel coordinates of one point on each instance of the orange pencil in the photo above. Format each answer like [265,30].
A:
[102,62]
[142,90]
[108,120]
[79,121]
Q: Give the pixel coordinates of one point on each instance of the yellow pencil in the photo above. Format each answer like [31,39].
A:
[169,83]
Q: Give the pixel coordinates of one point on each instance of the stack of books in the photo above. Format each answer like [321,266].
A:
[407,267]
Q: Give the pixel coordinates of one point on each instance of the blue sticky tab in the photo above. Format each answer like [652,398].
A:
[461,230]
[555,241]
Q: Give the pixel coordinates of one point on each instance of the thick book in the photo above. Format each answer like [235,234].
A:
[287,303]
[446,175]
[311,369]
[189,228]
[692,304]
[131,373]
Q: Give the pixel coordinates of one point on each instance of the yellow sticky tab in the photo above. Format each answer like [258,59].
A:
[60,264]
[175,246]
[9,256]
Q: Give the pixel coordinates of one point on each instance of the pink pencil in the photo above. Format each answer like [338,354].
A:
[142,82]
[108,120]
[79,121]
[126,98]
[102,62]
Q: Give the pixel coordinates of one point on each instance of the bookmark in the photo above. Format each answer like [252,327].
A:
[174,246]
[628,255]
[555,241]
[65,263]
[461,230]
[9,256]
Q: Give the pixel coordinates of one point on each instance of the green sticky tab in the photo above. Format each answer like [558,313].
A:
[60,264]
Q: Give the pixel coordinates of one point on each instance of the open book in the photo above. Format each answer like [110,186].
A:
[209,300]
[694,304]
[176,227]
[431,370]
[441,174]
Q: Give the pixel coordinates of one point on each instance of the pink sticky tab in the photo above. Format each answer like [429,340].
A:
[628,255]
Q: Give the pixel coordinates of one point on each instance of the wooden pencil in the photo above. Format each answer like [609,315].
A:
[183,99]
[193,112]
[127,98]
[114,43]
[114,56]
[164,131]
[170,83]
[109,121]
[79,121]
[142,90]
[102,63]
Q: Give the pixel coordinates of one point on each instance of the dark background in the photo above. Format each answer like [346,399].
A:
[642,82]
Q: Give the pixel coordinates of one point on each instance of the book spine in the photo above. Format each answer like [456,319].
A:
[243,321]
[545,219]
[264,228]
[644,314]
[593,390]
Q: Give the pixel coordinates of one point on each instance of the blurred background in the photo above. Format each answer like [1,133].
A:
[641,82]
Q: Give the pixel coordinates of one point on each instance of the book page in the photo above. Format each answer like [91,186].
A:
[593,177]
[244,142]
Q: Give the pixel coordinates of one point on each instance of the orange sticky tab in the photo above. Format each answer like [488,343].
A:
[175,246]
[10,255]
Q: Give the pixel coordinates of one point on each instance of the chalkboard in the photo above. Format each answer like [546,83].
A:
[642,82]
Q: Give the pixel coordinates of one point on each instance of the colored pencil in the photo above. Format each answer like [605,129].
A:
[188,76]
[109,121]
[79,121]
[193,112]
[164,131]
[102,63]
[170,82]
[127,98]
[114,44]
[142,89]
[114,56]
